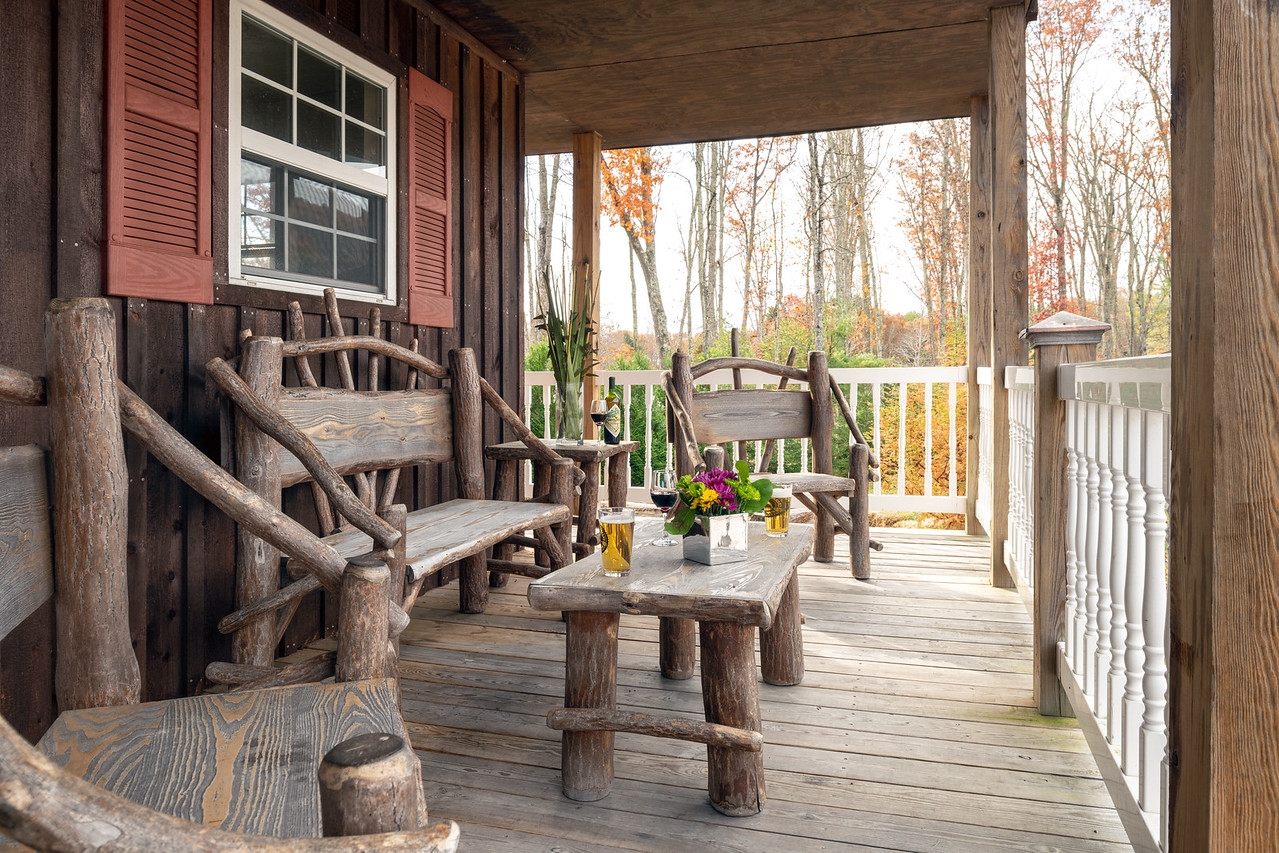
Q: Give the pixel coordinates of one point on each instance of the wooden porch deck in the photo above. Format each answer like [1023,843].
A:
[913,729]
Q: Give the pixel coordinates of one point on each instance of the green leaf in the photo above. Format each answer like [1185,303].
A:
[681,522]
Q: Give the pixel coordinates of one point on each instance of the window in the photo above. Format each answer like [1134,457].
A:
[312,153]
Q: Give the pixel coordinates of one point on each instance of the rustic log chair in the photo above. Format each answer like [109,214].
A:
[752,414]
[285,436]
[243,766]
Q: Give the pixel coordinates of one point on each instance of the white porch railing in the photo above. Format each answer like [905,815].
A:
[1117,415]
[933,399]
[985,444]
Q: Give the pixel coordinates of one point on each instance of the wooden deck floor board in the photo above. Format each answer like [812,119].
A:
[912,731]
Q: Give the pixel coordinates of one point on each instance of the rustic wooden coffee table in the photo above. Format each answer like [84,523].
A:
[728,602]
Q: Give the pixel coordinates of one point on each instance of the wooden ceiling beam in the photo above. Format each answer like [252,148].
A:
[794,88]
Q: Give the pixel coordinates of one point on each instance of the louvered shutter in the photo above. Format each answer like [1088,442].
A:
[430,208]
[158,150]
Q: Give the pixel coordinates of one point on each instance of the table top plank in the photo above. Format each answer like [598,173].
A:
[662,583]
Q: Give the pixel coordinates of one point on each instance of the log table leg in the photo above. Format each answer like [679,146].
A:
[588,504]
[590,681]
[781,647]
[730,693]
[677,647]
[541,483]
[505,488]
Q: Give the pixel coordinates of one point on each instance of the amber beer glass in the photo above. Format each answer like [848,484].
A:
[777,513]
[617,534]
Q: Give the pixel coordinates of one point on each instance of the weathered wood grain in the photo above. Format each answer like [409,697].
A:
[239,751]
[663,584]
[590,681]
[443,534]
[21,388]
[363,431]
[979,296]
[26,545]
[730,693]
[362,624]
[749,415]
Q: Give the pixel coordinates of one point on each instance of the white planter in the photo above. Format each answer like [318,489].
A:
[716,539]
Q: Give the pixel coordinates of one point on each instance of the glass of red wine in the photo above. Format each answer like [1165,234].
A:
[599,411]
[664,497]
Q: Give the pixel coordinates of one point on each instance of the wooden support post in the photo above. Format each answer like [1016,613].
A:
[730,694]
[371,783]
[859,510]
[979,297]
[590,681]
[588,163]
[1008,251]
[257,466]
[560,482]
[822,446]
[1061,339]
[95,660]
[1223,718]
[588,504]
[468,454]
[362,620]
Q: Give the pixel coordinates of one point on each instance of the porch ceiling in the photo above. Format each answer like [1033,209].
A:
[669,71]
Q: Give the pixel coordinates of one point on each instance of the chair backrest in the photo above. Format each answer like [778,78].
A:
[26,544]
[359,431]
[757,414]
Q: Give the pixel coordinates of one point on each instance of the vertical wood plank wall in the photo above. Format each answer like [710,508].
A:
[181,551]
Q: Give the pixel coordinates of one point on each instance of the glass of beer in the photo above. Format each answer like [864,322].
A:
[777,513]
[617,533]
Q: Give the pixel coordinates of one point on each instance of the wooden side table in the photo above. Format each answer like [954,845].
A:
[728,602]
[588,456]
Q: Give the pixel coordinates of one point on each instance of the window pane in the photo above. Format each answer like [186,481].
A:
[258,187]
[265,108]
[364,146]
[319,131]
[310,251]
[364,101]
[353,212]
[357,260]
[260,243]
[267,52]
[310,201]
[319,79]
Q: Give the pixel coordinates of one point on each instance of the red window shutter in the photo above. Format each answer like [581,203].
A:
[430,207]
[158,150]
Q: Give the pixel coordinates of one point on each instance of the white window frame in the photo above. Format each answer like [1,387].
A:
[380,182]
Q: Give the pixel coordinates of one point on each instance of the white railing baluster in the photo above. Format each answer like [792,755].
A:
[1090,549]
[1081,534]
[1118,574]
[953,401]
[928,439]
[1154,614]
[1072,518]
[877,403]
[1134,593]
[1105,520]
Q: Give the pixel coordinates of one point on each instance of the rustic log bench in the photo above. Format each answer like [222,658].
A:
[234,763]
[290,435]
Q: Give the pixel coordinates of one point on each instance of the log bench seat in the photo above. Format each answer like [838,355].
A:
[239,751]
[440,535]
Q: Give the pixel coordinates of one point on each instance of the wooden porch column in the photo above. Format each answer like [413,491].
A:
[1062,339]
[1223,713]
[978,292]
[587,161]
[1008,252]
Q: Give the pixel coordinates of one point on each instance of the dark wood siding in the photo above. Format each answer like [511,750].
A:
[51,234]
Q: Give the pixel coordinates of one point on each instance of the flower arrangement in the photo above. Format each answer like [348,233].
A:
[717,492]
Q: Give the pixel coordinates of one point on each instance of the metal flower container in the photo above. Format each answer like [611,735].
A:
[716,539]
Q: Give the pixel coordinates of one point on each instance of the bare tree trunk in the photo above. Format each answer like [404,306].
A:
[817,235]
